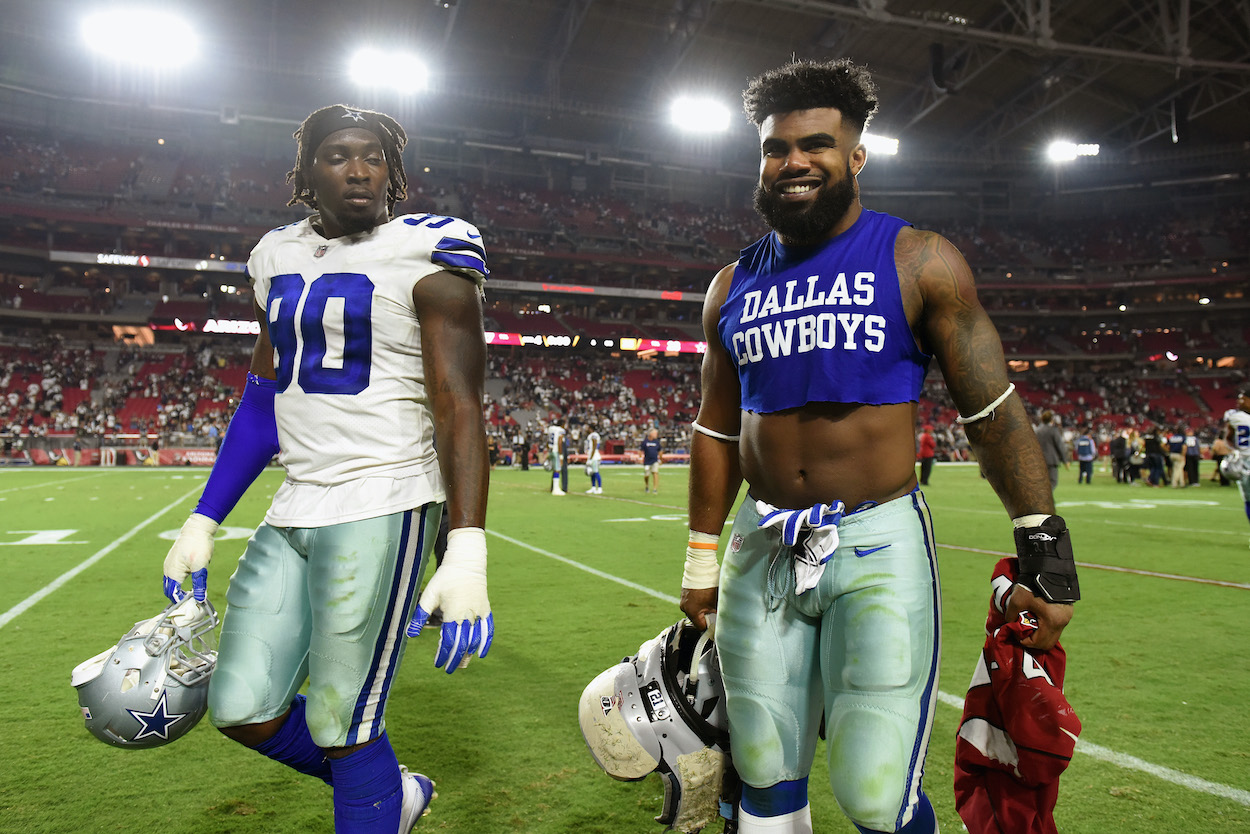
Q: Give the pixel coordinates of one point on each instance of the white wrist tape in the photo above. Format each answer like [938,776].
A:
[702,570]
[989,409]
[467,544]
[729,438]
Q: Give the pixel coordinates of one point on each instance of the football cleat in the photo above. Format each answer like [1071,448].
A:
[663,711]
[418,794]
[151,687]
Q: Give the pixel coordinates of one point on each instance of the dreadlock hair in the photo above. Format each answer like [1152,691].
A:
[805,85]
[321,123]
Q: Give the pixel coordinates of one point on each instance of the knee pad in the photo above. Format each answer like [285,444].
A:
[758,752]
[328,717]
[235,699]
[869,764]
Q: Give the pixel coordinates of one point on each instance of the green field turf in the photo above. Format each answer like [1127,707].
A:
[1157,671]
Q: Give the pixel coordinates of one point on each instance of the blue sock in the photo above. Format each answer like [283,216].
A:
[368,790]
[781,798]
[923,822]
[293,746]
[1248,509]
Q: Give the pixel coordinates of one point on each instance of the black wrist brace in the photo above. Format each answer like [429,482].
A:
[1047,567]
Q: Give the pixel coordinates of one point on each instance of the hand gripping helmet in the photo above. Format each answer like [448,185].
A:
[1236,466]
[152,687]
[663,710]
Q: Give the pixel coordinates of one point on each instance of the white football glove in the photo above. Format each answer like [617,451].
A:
[190,554]
[458,592]
[813,533]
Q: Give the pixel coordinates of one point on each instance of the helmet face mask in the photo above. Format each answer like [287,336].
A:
[663,711]
[152,686]
[1235,466]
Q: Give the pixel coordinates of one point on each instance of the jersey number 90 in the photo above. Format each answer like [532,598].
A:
[336,299]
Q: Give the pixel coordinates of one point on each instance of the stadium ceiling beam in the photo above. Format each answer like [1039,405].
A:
[1139,30]
[1035,100]
[966,62]
[684,23]
[562,39]
[1196,98]
[1037,37]
[453,13]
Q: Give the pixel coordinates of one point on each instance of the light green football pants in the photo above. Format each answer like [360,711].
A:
[329,605]
[861,647]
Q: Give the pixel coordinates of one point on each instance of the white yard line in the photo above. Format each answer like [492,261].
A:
[1117,569]
[61,482]
[25,604]
[1122,760]
[1242,586]
[1128,762]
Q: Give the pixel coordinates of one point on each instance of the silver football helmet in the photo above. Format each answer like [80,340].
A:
[152,687]
[1236,466]
[663,710]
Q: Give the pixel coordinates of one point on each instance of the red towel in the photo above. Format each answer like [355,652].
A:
[1018,730]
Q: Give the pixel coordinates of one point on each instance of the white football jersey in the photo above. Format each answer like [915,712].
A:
[354,422]
[1240,421]
[592,445]
[554,435]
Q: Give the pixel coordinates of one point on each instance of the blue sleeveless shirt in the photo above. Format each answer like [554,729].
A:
[822,323]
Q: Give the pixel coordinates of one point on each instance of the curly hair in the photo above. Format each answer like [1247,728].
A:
[320,123]
[804,85]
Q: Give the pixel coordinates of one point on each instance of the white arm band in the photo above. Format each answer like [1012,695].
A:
[731,438]
[702,570]
[989,409]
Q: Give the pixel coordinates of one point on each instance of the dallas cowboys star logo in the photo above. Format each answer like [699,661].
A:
[354,115]
[158,721]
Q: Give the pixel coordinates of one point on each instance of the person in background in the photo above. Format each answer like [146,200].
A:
[594,457]
[1118,450]
[555,455]
[1086,454]
[651,461]
[1219,450]
[1193,454]
[1175,457]
[926,452]
[1054,450]
[1153,451]
[1237,433]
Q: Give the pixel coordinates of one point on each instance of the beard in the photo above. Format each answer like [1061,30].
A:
[807,224]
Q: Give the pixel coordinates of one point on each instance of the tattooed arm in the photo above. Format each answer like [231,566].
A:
[941,300]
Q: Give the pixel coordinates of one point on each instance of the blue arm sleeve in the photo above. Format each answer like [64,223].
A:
[250,442]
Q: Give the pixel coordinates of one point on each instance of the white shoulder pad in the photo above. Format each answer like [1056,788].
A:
[457,247]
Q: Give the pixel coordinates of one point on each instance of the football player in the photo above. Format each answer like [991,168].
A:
[1236,466]
[819,338]
[555,456]
[370,344]
[593,459]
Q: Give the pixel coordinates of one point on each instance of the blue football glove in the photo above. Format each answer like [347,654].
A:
[190,554]
[457,591]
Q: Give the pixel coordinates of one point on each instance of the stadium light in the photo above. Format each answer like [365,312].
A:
[143,36]
[1061,151]
[879,144]
[402,72]
[690,113]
